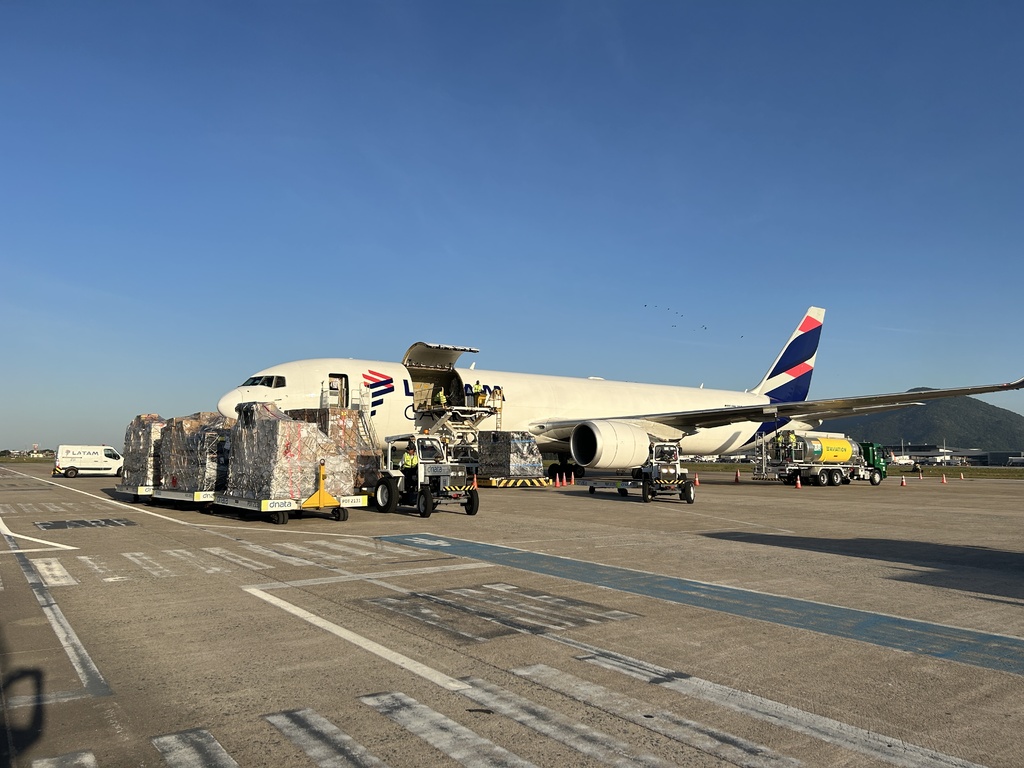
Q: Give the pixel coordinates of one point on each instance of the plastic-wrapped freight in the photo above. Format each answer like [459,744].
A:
[341,427]
[142,450]
[509,454]
[193,452]
[274,456]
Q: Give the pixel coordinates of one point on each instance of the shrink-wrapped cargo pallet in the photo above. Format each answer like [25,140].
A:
[142,450]
[509,454]
[194,452]
[274,456]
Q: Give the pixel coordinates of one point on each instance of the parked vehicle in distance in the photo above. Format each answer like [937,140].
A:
[72,460]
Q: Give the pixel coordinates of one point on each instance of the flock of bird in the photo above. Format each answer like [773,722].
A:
[678,314]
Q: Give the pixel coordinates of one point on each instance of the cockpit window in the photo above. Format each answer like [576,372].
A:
[276,382]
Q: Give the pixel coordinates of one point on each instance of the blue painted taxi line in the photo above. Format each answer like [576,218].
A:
[980,649]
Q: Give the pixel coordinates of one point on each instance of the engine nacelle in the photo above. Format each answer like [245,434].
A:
[609,445]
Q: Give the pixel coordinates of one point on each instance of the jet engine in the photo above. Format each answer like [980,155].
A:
[609,444]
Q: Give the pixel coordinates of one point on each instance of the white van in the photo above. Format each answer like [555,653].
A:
[70,460]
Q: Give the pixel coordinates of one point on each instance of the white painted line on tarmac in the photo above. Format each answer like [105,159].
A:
[878,746]
[427,673]
[70,760]
[145,561]
[323,742]
[457,741]
[374,576]
[5,531]
[195,748]
[725,746]
[52,572]
[589,741]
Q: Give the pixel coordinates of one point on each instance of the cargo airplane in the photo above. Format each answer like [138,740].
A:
[599,424]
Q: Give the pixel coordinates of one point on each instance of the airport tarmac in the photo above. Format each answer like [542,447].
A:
[762,626]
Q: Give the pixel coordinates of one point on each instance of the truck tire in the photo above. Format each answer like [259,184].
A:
[71,472]
[385,495]
[823,478]
[472,504]
[645,491]
[688,492]
[424,502]
[835,477]
[875,477]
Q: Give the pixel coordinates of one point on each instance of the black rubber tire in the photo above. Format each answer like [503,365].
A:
[593,490]
[71,472]
[875,477]
[645,491]
[623,491]
[280,517]
[385,495]
[836,477]
[823,478]
[688,493]
[120,471]
[472,504]
[340,514]
[424,502]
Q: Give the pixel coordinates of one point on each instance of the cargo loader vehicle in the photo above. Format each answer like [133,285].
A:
[660,474]
[818,459]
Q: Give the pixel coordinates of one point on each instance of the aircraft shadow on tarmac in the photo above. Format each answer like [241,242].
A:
[994,572]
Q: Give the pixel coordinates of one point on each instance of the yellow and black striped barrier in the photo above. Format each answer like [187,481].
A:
[513,482]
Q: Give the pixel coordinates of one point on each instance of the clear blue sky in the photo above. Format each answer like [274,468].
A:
[192,191]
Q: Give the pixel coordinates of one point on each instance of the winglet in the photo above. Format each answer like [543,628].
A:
[789,378]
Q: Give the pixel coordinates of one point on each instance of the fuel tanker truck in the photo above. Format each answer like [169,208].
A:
[818,459]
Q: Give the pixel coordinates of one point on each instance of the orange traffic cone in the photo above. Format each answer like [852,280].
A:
[696,480]
[737,476]
[903,480]
[920,475]
[558,483]
[943,478]
[572,480]
[474,482]
[798,486]
[961,475]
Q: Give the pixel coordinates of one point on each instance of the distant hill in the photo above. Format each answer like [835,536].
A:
[959,422]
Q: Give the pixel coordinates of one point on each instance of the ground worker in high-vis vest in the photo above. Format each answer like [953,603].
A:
[441,399]
[478,393]
[409,463]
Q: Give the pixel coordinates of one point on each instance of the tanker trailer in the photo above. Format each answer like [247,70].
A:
[822,460]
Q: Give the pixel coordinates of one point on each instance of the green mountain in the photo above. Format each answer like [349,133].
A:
[960,422]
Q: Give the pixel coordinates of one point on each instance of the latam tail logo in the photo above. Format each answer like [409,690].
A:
[380,384]
[790,378]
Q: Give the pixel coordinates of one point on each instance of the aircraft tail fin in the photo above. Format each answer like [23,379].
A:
[789,378]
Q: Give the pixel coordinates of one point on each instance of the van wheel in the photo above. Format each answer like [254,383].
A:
[120,471]
[71,472]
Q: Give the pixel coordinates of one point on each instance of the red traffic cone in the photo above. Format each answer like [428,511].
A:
[903,480]
[737,476]
[558,483]
[798,486]
[696,480]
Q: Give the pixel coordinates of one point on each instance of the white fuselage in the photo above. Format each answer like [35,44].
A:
[529,399]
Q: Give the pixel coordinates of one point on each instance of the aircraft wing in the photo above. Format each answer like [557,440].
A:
[817,410]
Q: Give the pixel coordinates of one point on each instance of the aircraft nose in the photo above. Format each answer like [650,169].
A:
[226,405]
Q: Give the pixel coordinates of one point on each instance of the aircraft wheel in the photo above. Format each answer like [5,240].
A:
[424,502]
[823,478]
[472,504]
[645,491]
[688,493]
[622,492]
[875,477]
[385,495]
